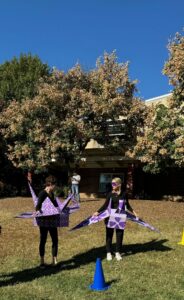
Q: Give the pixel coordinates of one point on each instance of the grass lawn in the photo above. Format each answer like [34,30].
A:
[152,265]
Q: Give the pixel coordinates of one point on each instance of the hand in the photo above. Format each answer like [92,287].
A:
[95,214]
[136,215]
[37,212]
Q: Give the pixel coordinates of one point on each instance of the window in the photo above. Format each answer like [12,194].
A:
[105,180]
[116,129]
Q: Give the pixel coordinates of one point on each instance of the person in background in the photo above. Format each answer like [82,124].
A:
[50,184]
[115,195]
[75,180]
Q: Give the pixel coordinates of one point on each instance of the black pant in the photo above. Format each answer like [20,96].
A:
[119,239]
[43,238]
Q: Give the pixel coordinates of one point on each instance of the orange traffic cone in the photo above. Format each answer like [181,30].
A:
[182,239]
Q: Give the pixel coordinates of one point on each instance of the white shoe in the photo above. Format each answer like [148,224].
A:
[118,256]
[109,256]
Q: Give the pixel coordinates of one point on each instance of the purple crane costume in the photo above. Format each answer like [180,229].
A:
[51,216]
[117,218]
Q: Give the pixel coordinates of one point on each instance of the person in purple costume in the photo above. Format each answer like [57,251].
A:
[50,184]
[115,195]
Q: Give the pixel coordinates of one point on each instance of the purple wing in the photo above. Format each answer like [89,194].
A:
[64,204]
[140,222]
[84,223]
[35,198]
[73,206]
[26,215]
[91,220]
[48,209]
[65,207]
[72,209]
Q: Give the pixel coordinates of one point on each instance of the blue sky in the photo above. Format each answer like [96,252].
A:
[63,33]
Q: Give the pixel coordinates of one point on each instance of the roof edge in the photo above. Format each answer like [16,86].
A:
[158,97]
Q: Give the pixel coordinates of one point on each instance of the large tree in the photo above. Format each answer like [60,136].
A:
[19,77]
[71,108]
[162,144]
[174,69]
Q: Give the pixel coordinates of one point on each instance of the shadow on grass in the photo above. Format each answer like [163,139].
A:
[154,245]
[78,260]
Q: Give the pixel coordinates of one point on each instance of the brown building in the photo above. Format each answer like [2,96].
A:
[97,168]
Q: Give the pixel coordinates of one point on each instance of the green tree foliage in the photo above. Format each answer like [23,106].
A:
[71,108]
[162,143]
[174,69]
[19,77]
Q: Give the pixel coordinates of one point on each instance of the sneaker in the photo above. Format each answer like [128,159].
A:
[109,256]
[118,256]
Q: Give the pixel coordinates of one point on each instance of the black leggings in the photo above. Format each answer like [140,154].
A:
[119,239]
[43,238]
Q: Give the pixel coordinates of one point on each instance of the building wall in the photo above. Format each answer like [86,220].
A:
[158,100]
[139,184]
[90,180]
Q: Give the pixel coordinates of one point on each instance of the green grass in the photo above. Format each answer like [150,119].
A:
[152,265]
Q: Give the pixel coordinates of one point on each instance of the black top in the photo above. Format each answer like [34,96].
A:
[42,196]
[115,201]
